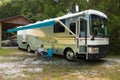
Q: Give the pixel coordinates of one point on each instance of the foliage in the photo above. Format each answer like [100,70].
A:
[7,9]
[44,9]
[112,9]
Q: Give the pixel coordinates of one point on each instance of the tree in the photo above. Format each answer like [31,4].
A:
[32,9]
[112,9]
[44,9]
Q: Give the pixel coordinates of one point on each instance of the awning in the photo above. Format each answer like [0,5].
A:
[46,23]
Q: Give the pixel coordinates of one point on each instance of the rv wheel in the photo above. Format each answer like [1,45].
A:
[28,48]
[69,54]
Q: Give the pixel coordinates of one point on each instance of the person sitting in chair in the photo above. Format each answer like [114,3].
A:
[39,51]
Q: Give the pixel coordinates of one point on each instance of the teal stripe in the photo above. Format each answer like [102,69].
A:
[49,23]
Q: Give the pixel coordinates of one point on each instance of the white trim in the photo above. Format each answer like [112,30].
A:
[80,13]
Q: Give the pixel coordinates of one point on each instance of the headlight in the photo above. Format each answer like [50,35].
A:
[93,50]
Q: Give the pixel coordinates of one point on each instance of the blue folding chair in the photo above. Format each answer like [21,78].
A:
[49,53]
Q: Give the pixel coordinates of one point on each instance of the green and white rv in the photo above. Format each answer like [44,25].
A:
[82,34]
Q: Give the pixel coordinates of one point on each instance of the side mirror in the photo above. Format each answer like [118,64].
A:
[95,31]
[79,35]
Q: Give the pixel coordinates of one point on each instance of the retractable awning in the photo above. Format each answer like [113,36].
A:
[46,23]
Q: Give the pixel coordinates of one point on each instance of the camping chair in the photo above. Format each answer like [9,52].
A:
[49,54]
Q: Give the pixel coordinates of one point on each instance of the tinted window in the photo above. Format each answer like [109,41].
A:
[83,26]
[58,28]
[73,27]
[98,25]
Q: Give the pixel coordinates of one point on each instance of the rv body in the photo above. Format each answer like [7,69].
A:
[82,34]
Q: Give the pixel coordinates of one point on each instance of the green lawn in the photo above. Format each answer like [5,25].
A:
[8,51]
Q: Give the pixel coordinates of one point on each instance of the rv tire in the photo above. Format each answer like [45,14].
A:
[69,55]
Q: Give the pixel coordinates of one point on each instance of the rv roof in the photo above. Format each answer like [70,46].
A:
[96,12]
[51,22]
[77,14]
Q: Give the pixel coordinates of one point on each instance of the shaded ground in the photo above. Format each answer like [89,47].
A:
[21,66]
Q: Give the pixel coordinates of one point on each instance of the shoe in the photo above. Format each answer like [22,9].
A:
[34,59]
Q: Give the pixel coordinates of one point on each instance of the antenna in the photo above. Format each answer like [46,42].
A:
[77,8]
[87,0]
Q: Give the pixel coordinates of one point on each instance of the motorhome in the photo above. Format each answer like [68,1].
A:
[81,34]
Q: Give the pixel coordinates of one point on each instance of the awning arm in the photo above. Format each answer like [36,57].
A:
[67,29]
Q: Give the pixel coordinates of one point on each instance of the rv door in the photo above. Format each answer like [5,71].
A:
[82,35]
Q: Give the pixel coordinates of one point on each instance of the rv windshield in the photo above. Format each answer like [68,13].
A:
[98,26]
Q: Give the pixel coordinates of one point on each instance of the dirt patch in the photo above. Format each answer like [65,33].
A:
[11,70]
[16,66]
[111,63]
[12,67]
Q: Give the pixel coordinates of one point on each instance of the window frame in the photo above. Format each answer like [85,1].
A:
[73,30]
[58,28]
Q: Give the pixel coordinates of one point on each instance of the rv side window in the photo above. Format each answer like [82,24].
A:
[58,28]
[83,24]
[73,27]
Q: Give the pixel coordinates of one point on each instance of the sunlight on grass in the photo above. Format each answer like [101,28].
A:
[8,51]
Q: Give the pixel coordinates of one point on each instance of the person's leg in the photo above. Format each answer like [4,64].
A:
[45,53]
[36,54]
[41,54]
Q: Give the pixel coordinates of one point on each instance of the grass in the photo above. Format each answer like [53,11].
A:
[52,72]
[8,51]
[13,52]
[76,72]
[82,70]
[114,56]
[113,75]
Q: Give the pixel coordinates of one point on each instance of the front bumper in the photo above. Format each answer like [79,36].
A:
[103,52]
